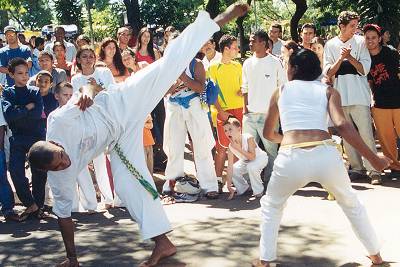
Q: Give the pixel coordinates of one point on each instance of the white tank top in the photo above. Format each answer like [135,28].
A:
[245,147]
[303,105]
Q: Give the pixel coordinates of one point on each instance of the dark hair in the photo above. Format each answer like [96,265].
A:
[61,85]
[117,59]
[78,54]
[292,45]
[375,28]
[307,65]
[150,48]
[278,26]
[226,41]
[310,26]
[40,156]
[232,121]
[44,73]
[59,44]
[84,38]
[46,53]
[346,16]
[16,62]
[318,40]
[263,36]
[39,41]
[129,52]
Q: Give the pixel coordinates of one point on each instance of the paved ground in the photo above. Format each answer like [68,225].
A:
[217,233]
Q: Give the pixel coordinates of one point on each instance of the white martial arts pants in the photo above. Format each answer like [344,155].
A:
[179,121]
[253,168]
[85,193]
[103,181]
[295,168]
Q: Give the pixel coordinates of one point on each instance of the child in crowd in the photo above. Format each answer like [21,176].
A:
[63,93]
[148,143]
[44,81]
[23,107]
[252,160]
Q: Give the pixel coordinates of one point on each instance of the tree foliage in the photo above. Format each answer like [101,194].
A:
[69,12]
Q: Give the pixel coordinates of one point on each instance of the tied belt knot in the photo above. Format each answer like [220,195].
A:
[184,101]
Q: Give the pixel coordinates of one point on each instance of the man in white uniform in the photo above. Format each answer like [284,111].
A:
[115,120]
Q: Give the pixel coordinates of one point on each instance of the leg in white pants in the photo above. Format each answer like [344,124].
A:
[87,193]
[292,170]
[102,179]
[361,117]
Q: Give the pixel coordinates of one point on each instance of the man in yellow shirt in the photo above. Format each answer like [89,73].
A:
[227,75]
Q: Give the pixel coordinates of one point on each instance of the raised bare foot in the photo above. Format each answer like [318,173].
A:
[259,263]
[376,259]
[233,11]
[163,249]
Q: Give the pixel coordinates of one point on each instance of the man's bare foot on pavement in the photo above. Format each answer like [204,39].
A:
[259,263]
[163,249]
[376,259]
[233,11]
[70,262]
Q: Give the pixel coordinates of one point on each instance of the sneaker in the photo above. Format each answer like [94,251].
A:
[376,179]
[187,185]
[185,198]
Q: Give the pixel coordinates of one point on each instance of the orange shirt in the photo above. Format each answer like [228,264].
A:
[147,137]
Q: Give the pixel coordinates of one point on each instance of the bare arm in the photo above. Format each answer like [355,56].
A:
[251,153]
[197,84]
[359,67]
[245,102]
[334,68]
[349,133]
[272,119]
[67,232]
[229,173]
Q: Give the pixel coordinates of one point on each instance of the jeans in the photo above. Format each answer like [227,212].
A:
[19,147]
[6,193]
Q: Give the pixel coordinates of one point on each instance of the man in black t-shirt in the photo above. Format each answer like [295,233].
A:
[385,85]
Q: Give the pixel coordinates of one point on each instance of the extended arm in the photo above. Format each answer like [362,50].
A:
[272,119]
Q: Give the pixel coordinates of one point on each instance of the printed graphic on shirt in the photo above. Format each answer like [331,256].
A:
[379,73]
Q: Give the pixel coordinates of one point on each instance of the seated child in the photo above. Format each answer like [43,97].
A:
[252,160]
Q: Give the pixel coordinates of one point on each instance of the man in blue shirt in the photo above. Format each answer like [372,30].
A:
[12,50]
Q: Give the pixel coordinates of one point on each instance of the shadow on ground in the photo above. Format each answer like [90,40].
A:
[112,239]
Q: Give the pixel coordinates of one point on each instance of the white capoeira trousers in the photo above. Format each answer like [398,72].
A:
[85,194]
[178,122]
[103,181]
[253,168]
[295,168]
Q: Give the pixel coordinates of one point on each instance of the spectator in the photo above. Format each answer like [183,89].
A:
[347,59]
[210,54]
[13,50]
[22,39]
[386,38]
[317,45]
[123,36]
[288,48]
[308,32]
[148,143]
[70,49]
[23,108]
[129,60]
[39,46]
[44,82]
[32,44]
[82,40]
[59,52]
[385,84]
[275,31]
[145,50]
[46,62]
[263,74]
[228,77]
[110,54]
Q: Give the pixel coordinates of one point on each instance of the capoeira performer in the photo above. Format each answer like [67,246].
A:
[115,120]
[307,154]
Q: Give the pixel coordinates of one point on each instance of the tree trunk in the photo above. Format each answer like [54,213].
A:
[133,15]
[239,23]
[301,8]
[212,8]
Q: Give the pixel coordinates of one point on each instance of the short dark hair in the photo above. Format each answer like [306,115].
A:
[346,16]
[373,27]
[307,65]
[278,26]
[61,85]
[44,73]
[40,156]
[310,26]
[38,41]
[46,54]
[16,62]
[226,41]
[262,36]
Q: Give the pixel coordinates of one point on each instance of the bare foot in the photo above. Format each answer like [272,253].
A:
[259,263]
[376,259]
[163,249]
[233,11]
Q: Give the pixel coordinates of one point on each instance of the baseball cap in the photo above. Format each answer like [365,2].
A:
[9,28]
[373,27]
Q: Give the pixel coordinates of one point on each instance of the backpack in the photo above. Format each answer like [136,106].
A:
[210,93]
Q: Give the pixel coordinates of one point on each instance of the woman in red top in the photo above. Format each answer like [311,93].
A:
[111,56]
[145,50]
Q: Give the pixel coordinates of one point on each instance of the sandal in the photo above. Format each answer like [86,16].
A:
[212,195]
